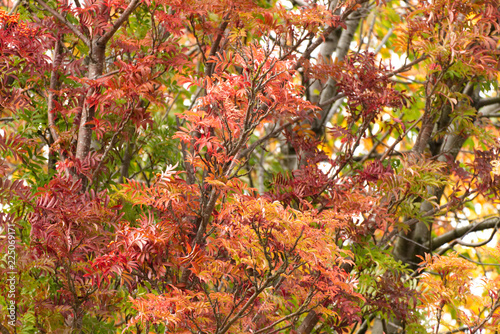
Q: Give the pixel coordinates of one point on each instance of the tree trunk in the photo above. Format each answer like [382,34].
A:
[127,157]
[96,67]
[339,41]
[417,241]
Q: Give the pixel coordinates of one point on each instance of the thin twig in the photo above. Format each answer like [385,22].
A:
[384,40]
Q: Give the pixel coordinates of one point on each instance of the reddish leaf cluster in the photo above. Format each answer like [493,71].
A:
[368,87]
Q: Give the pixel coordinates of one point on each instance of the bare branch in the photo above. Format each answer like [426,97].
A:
[479,263]
[461,231]
[390,149]
[108,74]
[487,102]
[300,3]
[478,244]
[384,40]
[274,133]
[458,330]
[331,100]
[406,67]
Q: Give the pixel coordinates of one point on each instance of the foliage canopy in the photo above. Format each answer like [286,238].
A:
[239,166]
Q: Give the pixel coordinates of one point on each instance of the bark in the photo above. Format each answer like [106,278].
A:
[326,51]
[78,322]
[53,86]
[417,240]
[488,101]
[412,244]
[3,329]
[260,173]
[309,322]
[459,232]
[339,41]
[127,157]
[96,67]
[51,100]
[291,158]
[97,57]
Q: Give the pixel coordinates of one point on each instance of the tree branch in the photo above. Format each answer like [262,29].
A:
[458,330]
[487,102]
[54,83]
[74,29]
[461,231]
[384,40]
[258,291]
[215,45]
[118,23]
[309,322]
[274,133]
[307,53]
[406,67]
[14,8]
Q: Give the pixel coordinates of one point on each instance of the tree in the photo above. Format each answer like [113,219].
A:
[250,166]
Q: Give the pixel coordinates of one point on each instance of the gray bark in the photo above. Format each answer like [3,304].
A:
[339,41]
[51,100]
[412,244]
[97,58]
[417,241]
[96,67]
[459,232]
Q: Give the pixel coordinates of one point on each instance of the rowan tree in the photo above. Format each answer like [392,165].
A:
[246,166]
